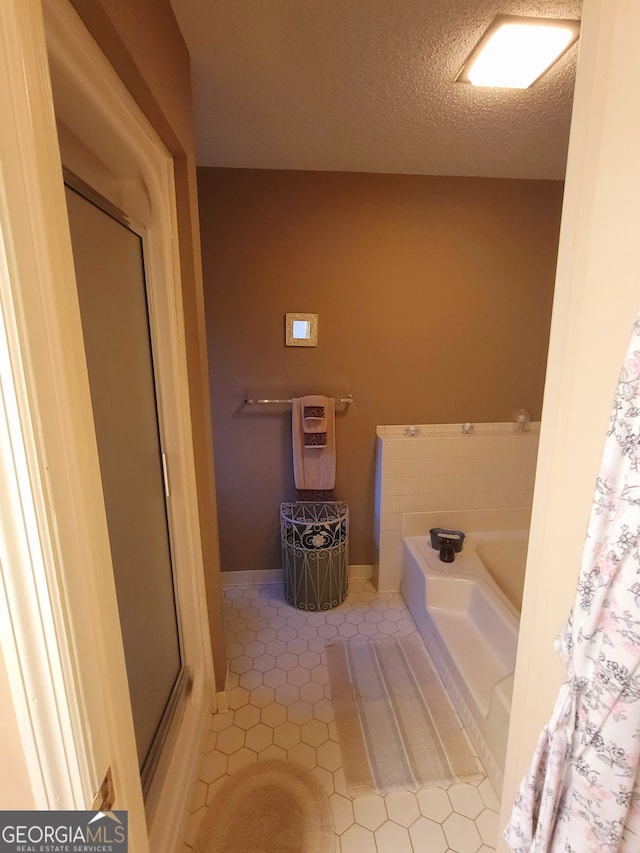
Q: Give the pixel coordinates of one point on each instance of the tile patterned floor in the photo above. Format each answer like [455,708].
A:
[281,708]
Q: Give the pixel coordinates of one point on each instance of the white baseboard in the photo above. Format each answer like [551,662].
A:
[255,577]
[222,696]
[360,573]
[258,577]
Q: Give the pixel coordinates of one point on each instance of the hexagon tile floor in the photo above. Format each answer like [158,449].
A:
[281,708]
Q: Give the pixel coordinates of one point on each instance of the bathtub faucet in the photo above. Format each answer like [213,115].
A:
[447,551]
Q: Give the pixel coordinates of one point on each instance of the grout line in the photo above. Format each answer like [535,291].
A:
[278,667]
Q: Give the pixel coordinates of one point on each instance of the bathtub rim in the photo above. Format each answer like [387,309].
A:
[468,564]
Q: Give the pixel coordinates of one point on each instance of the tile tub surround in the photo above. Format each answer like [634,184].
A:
[443,470]
[280,707]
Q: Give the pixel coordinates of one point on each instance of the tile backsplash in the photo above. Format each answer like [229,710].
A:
[442,469]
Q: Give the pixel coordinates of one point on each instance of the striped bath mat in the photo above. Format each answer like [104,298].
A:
[396,726]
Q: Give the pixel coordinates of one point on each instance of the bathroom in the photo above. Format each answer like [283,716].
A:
[417,322]
[407,274]
[384,342]
[433,297]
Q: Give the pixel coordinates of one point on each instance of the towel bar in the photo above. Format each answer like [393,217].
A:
[250,402]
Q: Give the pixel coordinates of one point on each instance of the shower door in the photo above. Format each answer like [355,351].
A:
[112,292]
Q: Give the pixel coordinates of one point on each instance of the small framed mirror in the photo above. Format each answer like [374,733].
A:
[301,330]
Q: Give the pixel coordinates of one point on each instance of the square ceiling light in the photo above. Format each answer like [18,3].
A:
[514,52]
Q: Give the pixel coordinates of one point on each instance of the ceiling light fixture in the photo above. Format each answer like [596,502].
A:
[514,52]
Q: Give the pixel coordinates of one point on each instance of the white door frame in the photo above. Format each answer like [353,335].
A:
[59,630]
[596,301]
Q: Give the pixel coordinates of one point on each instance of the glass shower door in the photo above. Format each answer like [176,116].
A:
[110,275]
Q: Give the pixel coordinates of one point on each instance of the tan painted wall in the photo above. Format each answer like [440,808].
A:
[434,299]
[142,41]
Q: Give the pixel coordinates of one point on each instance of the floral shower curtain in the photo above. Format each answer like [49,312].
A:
[582,792]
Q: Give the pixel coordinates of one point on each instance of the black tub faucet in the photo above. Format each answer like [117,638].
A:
[447,551]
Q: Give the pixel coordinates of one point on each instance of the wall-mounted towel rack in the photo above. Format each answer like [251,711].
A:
[250,402]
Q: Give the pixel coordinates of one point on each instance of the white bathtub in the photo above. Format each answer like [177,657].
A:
[470,626]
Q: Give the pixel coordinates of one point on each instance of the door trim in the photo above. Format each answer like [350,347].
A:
[59,629]
[136,175]
[44,453]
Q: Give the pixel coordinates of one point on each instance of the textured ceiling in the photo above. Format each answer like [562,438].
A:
[367,86]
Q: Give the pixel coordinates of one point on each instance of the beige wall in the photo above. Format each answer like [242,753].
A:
[142,41]
[596,303]
[15,786]
[434,299]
